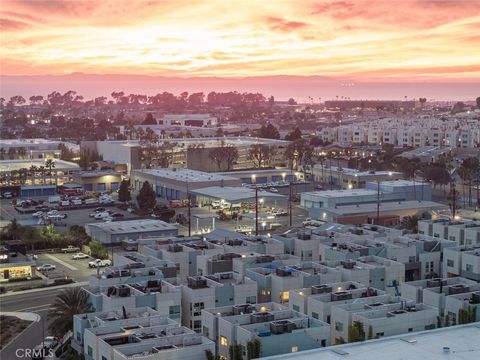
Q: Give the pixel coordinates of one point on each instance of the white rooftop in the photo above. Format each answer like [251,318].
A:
[10,165]
[230,194]
[342,193]
[386,206]
[355,172]
[462,342]
[181,174]
[133,226]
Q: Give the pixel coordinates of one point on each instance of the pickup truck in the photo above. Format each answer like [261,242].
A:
[99,263]
[79,255]
[70,249]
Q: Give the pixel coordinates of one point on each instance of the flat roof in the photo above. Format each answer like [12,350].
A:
[353,172]
[133,226]
[341,193]
[184,175]
[385,206]
[402,183]
[231,194]
[10,165]
[462,341]
[89,174]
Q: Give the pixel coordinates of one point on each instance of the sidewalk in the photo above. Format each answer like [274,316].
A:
[75,284]
[28,316]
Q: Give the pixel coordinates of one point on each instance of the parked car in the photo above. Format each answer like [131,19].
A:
[46,267]
[101,215]
[50,342]
[274,190]
[99,263]
[52,213]
[79,256]
[99,209]
[38,214]
[70,249]
[280,212]
[118,215]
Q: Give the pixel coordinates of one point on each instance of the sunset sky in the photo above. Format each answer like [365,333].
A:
[421,39]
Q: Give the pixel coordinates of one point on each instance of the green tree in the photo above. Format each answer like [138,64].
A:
[253,349]
[261,155]
[50,164]
[370,332]
[296,134]
[410,223]
[68,303]
[149,120]
[124,192]
[269,132]
[51,236]
[146,198]
[356,332]
[235,352]
[97,250]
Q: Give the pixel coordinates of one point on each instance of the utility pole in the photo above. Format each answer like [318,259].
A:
[453,194]
[378,202]
[256,209]
[189,212]
[290,197]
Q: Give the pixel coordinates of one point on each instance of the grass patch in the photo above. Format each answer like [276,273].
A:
[11,327]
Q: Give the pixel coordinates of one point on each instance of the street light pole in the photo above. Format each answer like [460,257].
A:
[254,181]
[290,198]
[189,211]
[378,202]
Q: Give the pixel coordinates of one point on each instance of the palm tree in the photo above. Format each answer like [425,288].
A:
[21,152]
[49,163]
[68,303]
[41,170]
[410,223]
[33,172]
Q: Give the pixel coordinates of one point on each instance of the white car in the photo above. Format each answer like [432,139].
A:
[101,215]
[274,190]
[38,214]
[79,256]
[99,263]
[46,267]
[53,213]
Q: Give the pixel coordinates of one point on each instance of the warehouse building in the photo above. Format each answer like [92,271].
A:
[113,233]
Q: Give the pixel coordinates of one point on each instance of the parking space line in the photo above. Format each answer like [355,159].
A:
[54,258]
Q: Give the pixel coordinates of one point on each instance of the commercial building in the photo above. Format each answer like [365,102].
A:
[193,153]
[35,173]
[15,265]
[205,292]
[347,178]
[456,343]
[174,184]
[278,329]
[33,148]
[112,233]
[98,181]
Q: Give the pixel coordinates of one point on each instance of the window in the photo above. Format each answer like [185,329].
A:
[295,307]
[450,263]
[315,315]
[223,341]
[430,327]
[174,311]
[469,267]
[104,358]
[251,299]
[284,296]
[89,351]
[294,348]
[205,331]
[339,326]
[410,329]
[197,324]
[323,343]
[79,336]
[380,334]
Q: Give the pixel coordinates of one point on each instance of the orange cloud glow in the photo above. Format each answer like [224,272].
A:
[411,39]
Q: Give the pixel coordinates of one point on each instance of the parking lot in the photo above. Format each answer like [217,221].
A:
[77,270]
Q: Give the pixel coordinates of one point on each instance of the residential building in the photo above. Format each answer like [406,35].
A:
[205,292]
[462,261]
[278,329]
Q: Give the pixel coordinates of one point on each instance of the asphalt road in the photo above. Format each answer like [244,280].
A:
[37,302]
